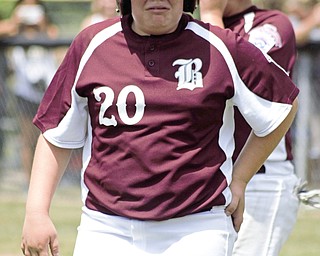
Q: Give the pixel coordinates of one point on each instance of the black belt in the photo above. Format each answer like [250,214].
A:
[262,169]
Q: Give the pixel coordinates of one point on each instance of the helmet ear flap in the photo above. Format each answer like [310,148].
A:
[189,5]
[125,6]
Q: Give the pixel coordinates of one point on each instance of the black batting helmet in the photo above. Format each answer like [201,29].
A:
[125,6]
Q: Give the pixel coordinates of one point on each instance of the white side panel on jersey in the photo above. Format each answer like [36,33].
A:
[76,123]
[226,140]
[72,130]
[86,156]
[227,143]
[263,116]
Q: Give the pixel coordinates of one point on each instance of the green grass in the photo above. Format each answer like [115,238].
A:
[305,238]
[65,212]
[304,241]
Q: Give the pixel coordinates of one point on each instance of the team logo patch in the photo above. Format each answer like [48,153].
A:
[188,74]
[265,37]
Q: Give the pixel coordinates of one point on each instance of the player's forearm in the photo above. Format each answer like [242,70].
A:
[257,149]
[48,167]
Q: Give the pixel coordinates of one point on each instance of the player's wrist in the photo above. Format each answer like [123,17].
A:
[238,182]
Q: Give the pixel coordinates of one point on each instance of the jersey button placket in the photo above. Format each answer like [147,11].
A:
[151,58]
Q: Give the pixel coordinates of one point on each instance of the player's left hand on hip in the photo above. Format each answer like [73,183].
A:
[236,206]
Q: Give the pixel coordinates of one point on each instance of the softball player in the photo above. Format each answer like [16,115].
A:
[271,201]
[149,96]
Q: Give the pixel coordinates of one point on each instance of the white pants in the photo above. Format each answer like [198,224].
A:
[270,214]
[208,233]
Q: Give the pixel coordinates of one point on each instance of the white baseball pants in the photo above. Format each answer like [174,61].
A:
[270,214]
[209,233]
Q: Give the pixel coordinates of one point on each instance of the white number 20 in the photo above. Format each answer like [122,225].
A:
[121,105]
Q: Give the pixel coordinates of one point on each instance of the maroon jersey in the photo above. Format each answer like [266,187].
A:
[155,114]
[271,31]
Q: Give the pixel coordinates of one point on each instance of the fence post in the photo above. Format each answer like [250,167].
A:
[301,149]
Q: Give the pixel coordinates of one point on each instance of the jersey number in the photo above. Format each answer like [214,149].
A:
[121,105]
